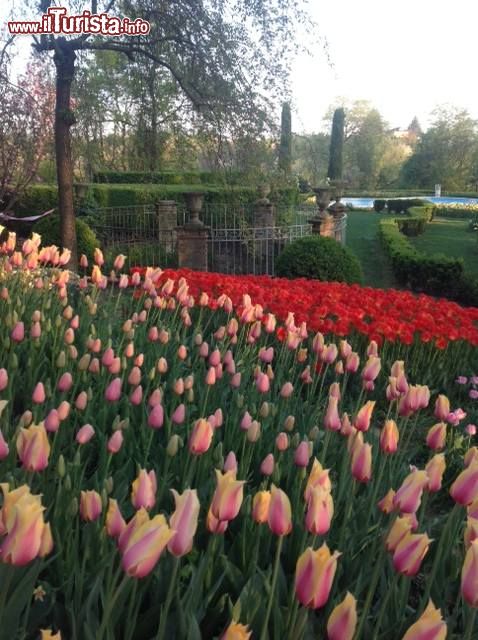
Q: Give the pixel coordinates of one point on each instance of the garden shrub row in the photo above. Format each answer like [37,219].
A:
[39,198]
[398,205]
[436,274]
[168,177]
[457,212]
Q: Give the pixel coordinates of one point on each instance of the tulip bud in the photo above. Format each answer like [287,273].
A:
[436,436]
[90,506]
[435,470]
[343,620]
[429,625]
[267,465]
[389,437]
[314,575]
[410,552]
[409,495]
[320,510]
[260,506]
[280,516]
[464,490]
[173,445]
[184,522]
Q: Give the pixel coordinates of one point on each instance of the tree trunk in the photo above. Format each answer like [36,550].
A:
[64,59]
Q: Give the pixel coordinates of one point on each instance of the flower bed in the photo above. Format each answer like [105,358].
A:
[174,466]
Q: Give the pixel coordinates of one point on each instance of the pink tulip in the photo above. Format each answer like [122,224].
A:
[287,390]
[85,434]
[18,332]
[108,357]
[302,454]
[409,495]
[134,377]
[469,576]
[113,390]
[371,369]
[262,383]
[362,463]
[364,416]
[184,522]
[39,395]
[389,437]
[52,421]
[464,490]
[315,572]
[442,408]
[230,463]
[3,379]
[143,491]
[332,419]
[81,401]
[228,496]
[201,437]
[280,515]
[33,448]
[236,380]
[115,523]
[267,465]
[320,510]
[410,552]
[63,410]
[4,449]
[156,417]
[343,620]
[436,436]
[90,506]
[435,470]
[65,382]
[115,442]
[282,441]
[179,414]
[136,396]
[155,398]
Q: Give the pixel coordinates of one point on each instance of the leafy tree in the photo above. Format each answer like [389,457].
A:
[335,170]
[219,54]
[285,147]
[446,152]
[26,126]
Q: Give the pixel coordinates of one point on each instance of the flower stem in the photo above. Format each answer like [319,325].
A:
[273,588]
[470,626]
[169,598]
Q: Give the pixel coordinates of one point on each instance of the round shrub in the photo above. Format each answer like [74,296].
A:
[49,229]
[320,258]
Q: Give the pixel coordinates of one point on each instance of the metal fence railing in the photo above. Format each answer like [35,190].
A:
[235,245]
[252,250]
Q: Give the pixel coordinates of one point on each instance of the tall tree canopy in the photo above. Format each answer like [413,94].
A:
[335,170]
[447,152]
[228,58]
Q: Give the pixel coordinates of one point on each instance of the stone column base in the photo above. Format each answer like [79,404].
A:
[192,246]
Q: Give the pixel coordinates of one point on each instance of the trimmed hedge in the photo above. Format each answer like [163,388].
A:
[436,274]
[459,213]
[40,198]
[320,258]
[168,177]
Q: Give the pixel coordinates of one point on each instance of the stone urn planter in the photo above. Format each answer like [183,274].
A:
[322,198]
[194,204]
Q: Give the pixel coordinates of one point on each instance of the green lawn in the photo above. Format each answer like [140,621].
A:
[451,238]
[363,239]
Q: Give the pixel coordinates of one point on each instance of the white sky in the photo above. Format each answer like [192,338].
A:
[405,56]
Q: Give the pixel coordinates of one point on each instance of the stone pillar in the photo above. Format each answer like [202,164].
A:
[264,214]
[167,217]
[323,225]
[192,242]
[337,210]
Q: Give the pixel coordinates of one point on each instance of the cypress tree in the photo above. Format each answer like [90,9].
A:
[337,146]
[285,148]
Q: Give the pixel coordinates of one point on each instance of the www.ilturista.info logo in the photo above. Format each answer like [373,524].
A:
[56,21]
